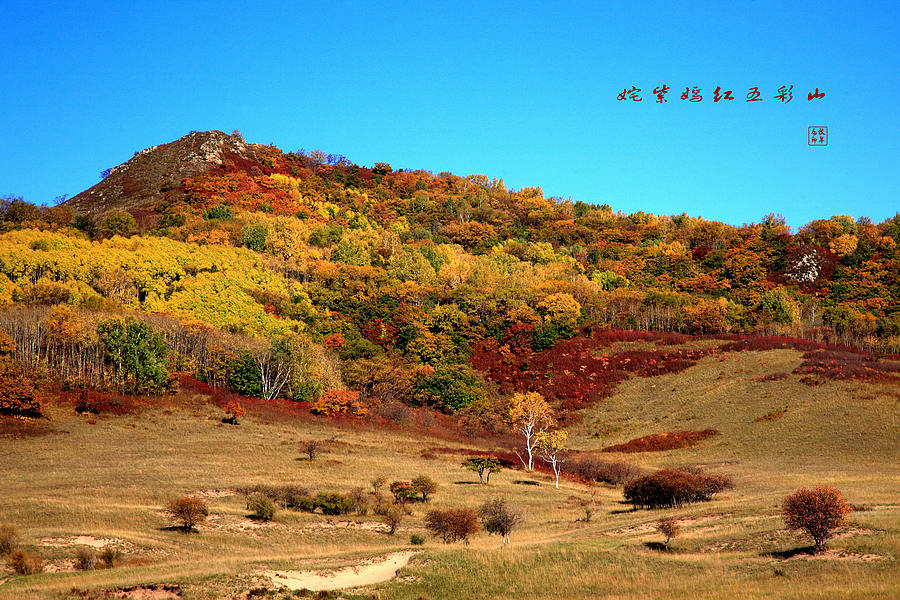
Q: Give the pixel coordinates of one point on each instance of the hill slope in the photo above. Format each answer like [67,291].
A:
[155,174]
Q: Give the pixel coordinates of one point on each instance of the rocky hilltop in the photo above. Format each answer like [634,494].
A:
[156,173]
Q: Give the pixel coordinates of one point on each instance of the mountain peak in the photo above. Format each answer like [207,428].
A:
[153,173]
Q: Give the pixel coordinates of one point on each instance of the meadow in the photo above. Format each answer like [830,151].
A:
[105,479]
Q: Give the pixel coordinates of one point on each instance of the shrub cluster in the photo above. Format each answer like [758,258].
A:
[452,525]
[25,564]
[590,467]
[333,503]
[261,506]
[110,557]
[670,488]
[93,402]
[9,538]
[296,497]
[18,395]
[86,558]
[286,496]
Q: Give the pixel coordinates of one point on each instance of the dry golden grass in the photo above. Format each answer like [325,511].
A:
[111,480]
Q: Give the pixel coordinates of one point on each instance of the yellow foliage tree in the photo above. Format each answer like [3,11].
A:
[552,445]
[529,415]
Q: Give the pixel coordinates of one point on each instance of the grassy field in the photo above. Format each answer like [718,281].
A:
[110,481]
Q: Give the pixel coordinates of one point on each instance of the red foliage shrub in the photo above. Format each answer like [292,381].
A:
[670,488]
[188,510]
[658,442]
[93,402]
[18,396]
[333,341]
[817,512]
[339,401]
[570,373]
[590,467]
[742,343]
[453,525]
[403,492]
[233,412]
[842,364]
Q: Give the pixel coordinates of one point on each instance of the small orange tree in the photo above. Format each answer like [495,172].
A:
[669,527]
[817,512]
[18,395]
[339,401]
[233,412]
[188,510]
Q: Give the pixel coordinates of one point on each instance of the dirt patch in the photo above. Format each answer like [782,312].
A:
[837,554]
[59,566]
[234,523]
[82,540]
[363,525]
[369,572]
[851,531]
[142,592]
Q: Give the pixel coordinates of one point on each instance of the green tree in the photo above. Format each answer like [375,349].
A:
[243,375]
[117,222]
[450,388]
[484,466]
[254,237]
[138,354]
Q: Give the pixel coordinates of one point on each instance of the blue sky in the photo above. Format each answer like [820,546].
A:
[521,91]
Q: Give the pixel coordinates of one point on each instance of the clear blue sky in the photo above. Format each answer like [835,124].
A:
[521,91]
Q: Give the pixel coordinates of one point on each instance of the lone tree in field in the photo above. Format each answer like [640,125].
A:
[391,515]
[817,512]
[233,412]
[377,484]
[188,510]
[499,518]
[552,445]
[452,525]
[484,466]
[311,448]
[669,527]
[529,415]
[424,485]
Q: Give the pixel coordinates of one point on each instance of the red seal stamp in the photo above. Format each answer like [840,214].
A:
[817,135]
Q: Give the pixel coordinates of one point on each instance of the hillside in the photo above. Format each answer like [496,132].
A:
[67,491]
[249,330]
[154,174]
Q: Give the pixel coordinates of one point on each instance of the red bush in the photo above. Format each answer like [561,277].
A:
[570,373]
[589,467]
[671,488]
[93,402]
[453,525]
[842,364]
[658,442]
[18,396]
[816,512]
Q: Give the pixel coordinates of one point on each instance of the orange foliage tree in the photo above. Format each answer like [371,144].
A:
[817,512]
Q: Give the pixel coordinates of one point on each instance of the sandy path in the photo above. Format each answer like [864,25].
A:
[367,573]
